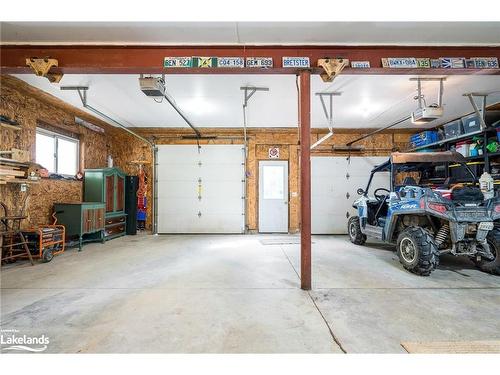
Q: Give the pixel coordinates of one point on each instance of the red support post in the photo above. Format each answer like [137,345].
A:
[305,179]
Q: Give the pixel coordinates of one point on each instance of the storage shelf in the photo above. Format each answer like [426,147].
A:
[471,158]
[448,140]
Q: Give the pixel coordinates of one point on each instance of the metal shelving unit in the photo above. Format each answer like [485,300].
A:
[445,144]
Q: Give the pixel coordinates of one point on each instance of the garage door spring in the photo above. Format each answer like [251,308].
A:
[442,234]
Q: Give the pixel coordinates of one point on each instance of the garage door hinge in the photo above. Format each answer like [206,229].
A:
[347,214]
[347,195]
[347,175]
[199,214]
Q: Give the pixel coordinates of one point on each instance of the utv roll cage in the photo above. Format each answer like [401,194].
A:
[415,161]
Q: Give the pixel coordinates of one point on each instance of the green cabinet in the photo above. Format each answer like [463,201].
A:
[107,185]
[85,220]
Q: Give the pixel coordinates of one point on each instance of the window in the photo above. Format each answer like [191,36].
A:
[57,153]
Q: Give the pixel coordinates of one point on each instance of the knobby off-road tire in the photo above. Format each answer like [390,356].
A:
[487,265]
[417,251]
[354,230]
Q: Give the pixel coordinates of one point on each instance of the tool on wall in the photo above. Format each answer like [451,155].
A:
[328,113]
[41,67]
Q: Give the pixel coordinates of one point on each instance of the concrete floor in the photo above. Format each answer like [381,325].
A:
[227,294]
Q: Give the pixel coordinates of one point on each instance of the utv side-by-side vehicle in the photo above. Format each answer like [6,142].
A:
[425,213]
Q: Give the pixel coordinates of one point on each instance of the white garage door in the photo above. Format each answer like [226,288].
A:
[200,191]
[334,182]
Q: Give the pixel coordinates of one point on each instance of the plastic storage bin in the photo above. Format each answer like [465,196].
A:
[463,148]
[424,138]
[453,129]
[471,123]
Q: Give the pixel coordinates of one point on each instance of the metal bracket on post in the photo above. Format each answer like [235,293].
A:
[479,112]
[332,68]
[249,91]
[41,67]
[328,114]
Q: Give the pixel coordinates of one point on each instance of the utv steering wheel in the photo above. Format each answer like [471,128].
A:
[381,197]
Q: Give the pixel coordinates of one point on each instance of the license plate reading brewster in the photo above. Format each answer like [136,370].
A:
[296,62]
[230,62]
[177,62]
[259,62]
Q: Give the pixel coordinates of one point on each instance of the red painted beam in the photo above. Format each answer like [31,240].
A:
[305,179]
[149,59]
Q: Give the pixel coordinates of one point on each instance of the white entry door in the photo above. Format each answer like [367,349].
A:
[273,196]
[201,190]
[334,182]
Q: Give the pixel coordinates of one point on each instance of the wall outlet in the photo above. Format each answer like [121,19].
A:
[24,187]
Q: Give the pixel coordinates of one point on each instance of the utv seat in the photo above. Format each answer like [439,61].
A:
[409,181]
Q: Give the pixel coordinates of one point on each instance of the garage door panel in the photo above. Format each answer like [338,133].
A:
[178,206]
[178,188]
[217,172]
[218,206]
[330,184]
[220,169]
[226,155]
[178,172]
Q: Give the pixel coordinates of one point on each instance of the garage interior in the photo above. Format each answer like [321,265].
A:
[233,236]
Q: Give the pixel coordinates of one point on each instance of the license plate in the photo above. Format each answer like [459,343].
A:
[177,62]
[259,62]
[452,62]
[204,62]
[296,62]
[360,64]
[485,225]
[402,62]
[230,62]
[485,62]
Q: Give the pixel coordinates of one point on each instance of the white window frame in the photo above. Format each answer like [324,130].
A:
[56,137]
